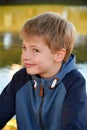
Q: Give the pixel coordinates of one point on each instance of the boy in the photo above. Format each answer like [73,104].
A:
[48,93]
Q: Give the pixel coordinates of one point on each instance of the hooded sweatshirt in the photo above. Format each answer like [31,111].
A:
[57,103]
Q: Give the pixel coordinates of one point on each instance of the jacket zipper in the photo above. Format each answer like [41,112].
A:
[40,109]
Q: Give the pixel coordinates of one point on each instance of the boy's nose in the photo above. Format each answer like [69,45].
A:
[27,55]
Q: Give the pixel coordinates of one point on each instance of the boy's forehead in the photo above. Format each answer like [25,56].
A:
[35,39]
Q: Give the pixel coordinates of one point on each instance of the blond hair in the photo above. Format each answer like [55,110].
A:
[56,31]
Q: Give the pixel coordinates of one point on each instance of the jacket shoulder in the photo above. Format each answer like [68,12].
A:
[74,78]
[20,78]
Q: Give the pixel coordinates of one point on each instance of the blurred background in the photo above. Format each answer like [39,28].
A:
[13,13]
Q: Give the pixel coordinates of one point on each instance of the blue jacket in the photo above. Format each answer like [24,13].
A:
[39,106]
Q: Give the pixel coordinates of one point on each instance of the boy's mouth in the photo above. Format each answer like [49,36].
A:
[29,65]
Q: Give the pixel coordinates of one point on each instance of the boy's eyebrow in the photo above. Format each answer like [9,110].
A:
[33,46]
[23,44]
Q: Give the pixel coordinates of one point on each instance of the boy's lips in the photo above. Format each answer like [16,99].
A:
[29,65]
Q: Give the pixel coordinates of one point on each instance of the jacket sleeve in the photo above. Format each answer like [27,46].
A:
[75,103]
[8,96]
[7,104]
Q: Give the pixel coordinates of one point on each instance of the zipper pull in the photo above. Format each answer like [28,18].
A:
[35,84]
[53,83]
[41,91]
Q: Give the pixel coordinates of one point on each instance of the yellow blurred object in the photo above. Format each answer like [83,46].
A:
[11,125]
[12,19]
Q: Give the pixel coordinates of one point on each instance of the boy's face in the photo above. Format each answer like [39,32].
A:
[37,57]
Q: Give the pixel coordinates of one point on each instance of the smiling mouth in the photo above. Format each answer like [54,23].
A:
[27,65]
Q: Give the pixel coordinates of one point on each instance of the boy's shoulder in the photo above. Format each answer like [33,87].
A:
[21,73]
[20,78]
[74,78]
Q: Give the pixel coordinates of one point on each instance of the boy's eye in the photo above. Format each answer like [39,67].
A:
[35,50]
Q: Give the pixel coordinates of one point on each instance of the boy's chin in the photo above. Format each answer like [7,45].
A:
[31,72]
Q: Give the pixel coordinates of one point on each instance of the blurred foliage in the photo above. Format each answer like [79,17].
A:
[12,55]
[81,53]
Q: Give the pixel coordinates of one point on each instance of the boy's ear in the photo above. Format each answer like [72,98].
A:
[60,55]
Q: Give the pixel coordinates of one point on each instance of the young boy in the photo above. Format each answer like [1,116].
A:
[48,93]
